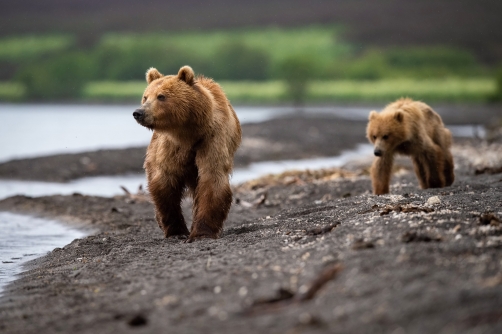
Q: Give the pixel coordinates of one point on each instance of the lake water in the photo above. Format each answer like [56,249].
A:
[25,238]
[37,130]
[33,130]
[30,130]
[108,186]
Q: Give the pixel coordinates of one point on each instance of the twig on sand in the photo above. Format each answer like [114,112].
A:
[326,275]
[256,203]
[286,298]
[140,196]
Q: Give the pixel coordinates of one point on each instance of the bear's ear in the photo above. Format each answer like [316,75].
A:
[186,74]
[152,74]
[399,116]
[373,114]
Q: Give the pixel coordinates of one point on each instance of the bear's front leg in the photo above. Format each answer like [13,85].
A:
[166,193]
[380,174]
[212,201]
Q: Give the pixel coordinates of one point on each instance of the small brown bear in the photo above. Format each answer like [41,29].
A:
[411,128]
[195,135]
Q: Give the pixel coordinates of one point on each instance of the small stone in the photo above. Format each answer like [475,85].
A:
[243,291]
[433,200]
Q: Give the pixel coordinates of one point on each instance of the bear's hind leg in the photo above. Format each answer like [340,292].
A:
[449,173]
[167,199]
[431,163]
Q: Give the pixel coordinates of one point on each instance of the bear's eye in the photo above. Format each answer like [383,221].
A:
[161,97]
[385,137]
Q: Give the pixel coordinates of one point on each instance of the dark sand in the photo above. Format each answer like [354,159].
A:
[300,253]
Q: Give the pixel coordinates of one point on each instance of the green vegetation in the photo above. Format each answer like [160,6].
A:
[266,65]
[454,90]
[61,77]
[497,96]
[296,72]
[11,91]
[414,62]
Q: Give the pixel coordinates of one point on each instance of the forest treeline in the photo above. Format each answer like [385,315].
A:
[54,66]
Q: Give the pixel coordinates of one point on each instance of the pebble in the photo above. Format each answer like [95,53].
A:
[433,200]
[243,291]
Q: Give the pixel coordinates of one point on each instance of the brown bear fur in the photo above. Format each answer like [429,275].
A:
[195,135]
[411,128]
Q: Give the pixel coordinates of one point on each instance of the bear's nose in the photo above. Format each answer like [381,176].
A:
[138,114]
[378,152]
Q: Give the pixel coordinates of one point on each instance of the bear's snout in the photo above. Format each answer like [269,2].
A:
[378,152]
[138,114]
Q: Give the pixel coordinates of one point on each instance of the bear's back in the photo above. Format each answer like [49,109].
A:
[224,117]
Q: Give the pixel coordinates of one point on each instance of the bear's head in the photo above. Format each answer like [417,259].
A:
[171,102]
[386,131]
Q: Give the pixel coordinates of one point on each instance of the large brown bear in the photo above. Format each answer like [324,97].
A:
[195,135]
[411,128]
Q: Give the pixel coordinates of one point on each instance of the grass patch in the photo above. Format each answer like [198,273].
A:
[447,90]
[248,91]
[11,91]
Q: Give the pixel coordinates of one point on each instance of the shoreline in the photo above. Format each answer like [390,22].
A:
[293,136]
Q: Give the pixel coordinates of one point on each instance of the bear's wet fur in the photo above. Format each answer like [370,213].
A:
[411,128]
[195,135]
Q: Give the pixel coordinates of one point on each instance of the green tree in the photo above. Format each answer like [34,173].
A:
[131,63]
[236,61]
[297,71]
[59,77]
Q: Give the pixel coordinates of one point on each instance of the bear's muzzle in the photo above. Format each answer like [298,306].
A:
[139,115]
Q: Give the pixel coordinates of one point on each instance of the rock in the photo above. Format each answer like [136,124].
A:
[433,200]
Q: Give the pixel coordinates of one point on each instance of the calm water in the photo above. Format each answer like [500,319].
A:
[25,238]
[36,130]
[110,185]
